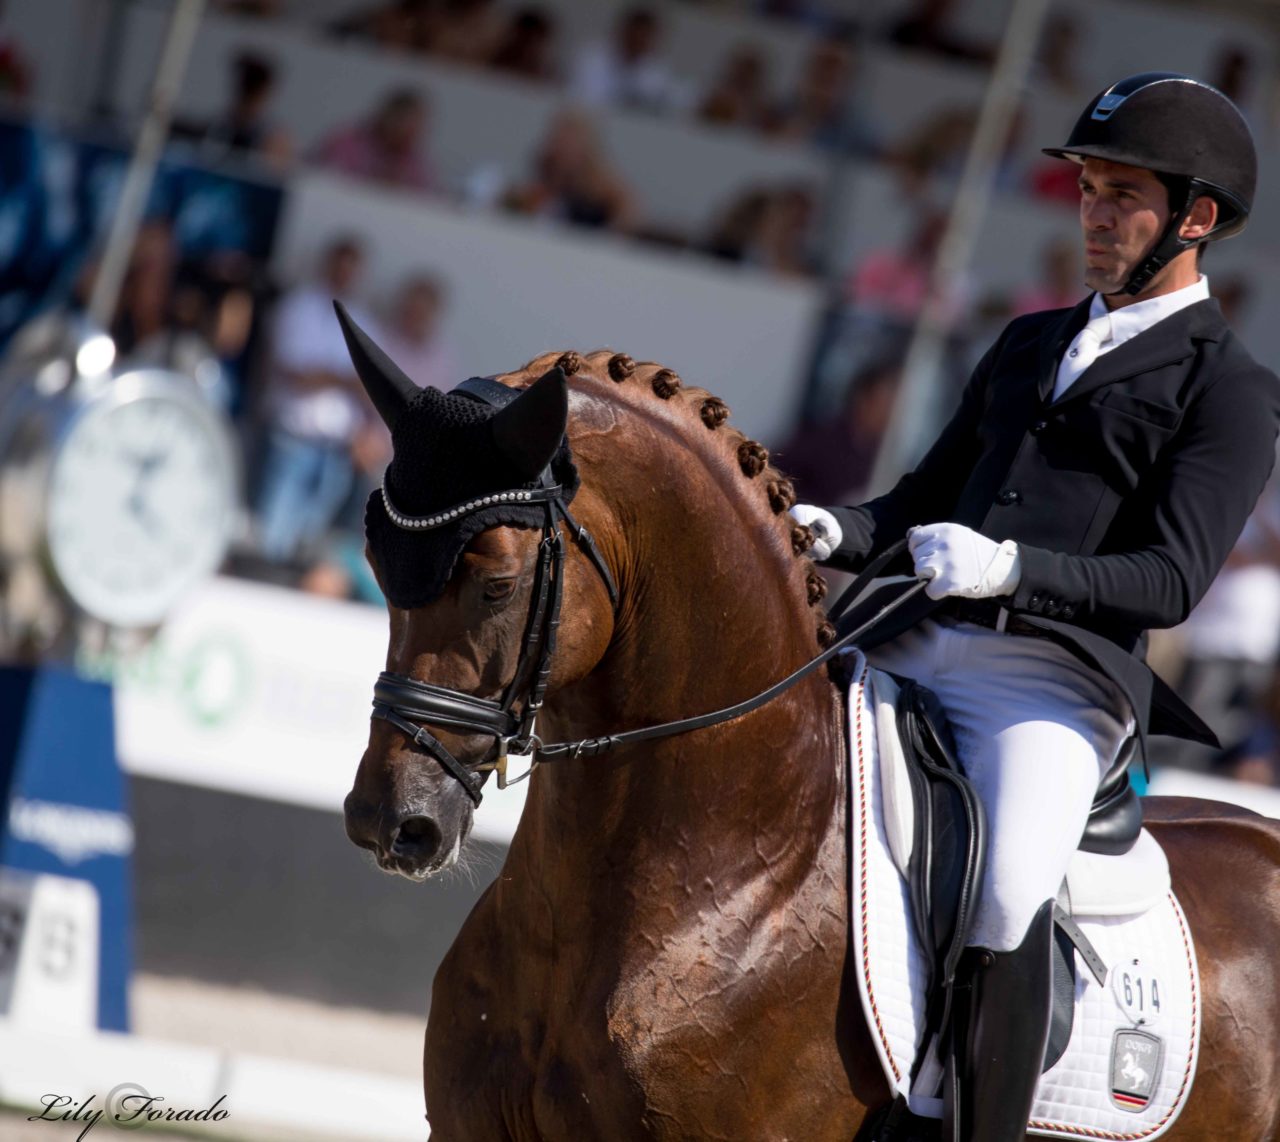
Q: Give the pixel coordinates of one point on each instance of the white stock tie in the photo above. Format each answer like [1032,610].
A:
[1083,352]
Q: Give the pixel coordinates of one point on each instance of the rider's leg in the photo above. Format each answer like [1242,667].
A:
[999,1036]
[1035,730]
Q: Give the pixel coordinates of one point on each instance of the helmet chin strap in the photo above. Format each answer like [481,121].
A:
[1169,245]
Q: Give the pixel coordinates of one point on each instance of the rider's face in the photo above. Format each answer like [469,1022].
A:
[1123,211]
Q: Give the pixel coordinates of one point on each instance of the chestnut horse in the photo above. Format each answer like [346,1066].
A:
[665,953]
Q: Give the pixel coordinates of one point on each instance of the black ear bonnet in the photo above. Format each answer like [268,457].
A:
[451,449]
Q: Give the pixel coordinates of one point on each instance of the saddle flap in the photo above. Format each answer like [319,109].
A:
[1127,885]
[945,872]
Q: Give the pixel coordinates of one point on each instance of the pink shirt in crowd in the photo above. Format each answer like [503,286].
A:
[353,151]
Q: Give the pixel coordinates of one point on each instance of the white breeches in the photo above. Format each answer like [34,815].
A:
[1035,730]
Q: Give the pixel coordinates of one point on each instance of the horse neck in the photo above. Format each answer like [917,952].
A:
[713,610]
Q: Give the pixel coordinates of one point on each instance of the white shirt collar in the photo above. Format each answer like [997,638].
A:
[1130,320]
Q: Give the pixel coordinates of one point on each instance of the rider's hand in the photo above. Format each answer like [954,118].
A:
[958,561]
[826,531]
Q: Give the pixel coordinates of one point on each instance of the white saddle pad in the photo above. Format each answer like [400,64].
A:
[1128,1069]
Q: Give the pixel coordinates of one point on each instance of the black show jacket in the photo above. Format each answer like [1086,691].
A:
[1125,495]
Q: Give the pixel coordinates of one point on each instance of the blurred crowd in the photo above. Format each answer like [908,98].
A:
[270,352]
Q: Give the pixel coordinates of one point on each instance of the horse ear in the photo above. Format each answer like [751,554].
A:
[387,386]
[529,430]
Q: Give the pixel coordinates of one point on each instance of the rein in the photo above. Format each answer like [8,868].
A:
[405,702]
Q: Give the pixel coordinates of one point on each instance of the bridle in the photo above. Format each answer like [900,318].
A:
[405,702]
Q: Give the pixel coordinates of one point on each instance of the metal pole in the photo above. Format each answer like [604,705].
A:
[914,410]
[142,166]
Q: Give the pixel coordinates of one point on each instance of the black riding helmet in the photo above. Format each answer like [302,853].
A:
[1189,134]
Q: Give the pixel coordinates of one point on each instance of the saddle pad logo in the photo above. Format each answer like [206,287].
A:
[1135,1068]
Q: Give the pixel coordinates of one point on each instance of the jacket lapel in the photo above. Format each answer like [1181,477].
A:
[1055,338]
[1164,343]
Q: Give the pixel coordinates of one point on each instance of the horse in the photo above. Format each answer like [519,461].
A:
[665,952]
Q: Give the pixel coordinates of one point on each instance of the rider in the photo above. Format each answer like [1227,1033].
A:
[1100,467]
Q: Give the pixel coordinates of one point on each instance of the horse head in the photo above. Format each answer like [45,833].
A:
[502,605]
[455,538]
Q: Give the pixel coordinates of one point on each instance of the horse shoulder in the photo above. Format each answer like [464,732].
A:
[474,1060]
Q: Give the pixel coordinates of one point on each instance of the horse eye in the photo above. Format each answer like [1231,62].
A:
[498,589]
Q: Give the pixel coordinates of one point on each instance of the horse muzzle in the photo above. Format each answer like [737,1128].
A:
[409,842]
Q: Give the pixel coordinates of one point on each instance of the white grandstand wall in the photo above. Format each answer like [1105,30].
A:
[683,173]
[518,288]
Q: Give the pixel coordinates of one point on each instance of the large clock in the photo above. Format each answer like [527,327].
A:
[122,489]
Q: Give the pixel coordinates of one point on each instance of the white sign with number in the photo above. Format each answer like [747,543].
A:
[48,951]
[1138,991]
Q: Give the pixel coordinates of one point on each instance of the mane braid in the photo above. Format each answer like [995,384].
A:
[617,371]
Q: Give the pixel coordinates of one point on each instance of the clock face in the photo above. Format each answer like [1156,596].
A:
[141,499]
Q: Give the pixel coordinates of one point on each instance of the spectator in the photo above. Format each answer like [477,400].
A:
[817,111]
[894,284]
[782,244]
[412,336]
[770,228]
[739,95]
[1232,639]
[315,410]
[927,28]
[388,147]
[831,461]
[144,307]
[1057,61]
[402,25]
[1057,285]
[243,127]
[573,181]
[469,31]
[798,11]
[938,149]
[15,69]
[627,71]
[1233,74]
[734,235]
[525,47]
[259,9]
[342,572]
[1256,760]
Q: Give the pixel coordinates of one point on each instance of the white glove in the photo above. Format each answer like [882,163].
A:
[958,561]
[827,533]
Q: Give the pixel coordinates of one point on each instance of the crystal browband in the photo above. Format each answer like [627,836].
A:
[448,515]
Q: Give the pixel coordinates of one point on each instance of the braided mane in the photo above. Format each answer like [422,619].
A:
[751,457]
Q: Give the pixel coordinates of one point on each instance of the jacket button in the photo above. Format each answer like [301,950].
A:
[1068,610]
[1035,601]
[1052,607]
[1039,427]
[1009,496]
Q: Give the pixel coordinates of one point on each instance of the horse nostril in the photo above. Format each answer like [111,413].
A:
[417,837]
[360,822]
